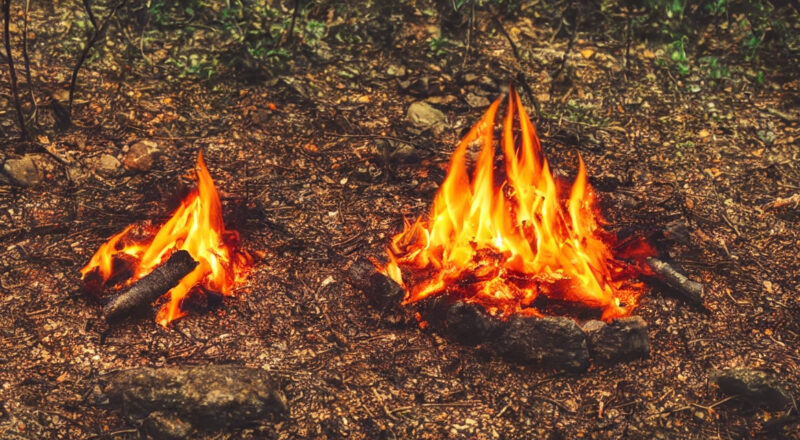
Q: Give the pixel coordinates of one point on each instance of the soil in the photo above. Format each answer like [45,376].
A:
[319,165]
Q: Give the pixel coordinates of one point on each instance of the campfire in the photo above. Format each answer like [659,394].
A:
[514,240]
[190,253]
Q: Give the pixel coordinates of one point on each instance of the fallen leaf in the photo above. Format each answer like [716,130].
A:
[587,53]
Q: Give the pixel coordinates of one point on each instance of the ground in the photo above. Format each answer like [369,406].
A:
[318,164]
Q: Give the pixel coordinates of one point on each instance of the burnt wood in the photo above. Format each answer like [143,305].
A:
[690,290]
[622,339]
[383,292]
[552,341]
[148,289]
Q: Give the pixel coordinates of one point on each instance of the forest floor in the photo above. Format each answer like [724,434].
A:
[319,165]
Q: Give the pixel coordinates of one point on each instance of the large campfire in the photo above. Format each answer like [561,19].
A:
[513,238]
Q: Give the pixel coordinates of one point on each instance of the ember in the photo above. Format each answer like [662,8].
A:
[515,247]
[195,227]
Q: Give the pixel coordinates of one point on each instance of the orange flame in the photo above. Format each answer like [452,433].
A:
[502,246]
[197,227]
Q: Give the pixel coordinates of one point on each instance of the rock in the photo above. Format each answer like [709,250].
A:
[757,387]
[23,171]
[424,116]
[476,101]
[623,339]
[163,426]
[107,165]
[141,156]
[209,397]
[556,342]
[397,71]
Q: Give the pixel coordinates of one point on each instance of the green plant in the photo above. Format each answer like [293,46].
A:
[678,55]
[439,46]
[716,70]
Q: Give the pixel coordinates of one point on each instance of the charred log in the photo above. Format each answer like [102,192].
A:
[122,268]
[463,322]
[151,287]
[623,339]
[552,341]
[757,387]
[688,289]
[381,291]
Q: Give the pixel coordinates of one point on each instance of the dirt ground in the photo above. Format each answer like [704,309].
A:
[329,172]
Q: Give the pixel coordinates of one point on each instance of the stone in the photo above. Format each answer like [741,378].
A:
[141,156]
[23,171]
[623,339]
[107,165]
[476,101]
[555,341]
[756,386]
[424,116]
[207,397]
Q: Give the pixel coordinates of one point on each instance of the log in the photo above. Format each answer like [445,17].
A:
[690,290]
[621,340]
[148,289]
[551,341]
[380,290]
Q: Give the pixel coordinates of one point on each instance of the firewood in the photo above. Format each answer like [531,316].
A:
[158,282]
[620,340]
[691,290]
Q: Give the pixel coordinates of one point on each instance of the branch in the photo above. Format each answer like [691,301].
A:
[27,59]
[6,6]
[89,44]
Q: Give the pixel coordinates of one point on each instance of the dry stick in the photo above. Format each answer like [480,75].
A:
[92,40]
[691,290]
[570,44]
[151,287]
[6,5]
[27,59]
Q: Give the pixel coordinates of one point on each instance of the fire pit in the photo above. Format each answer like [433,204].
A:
[514,257]
[191,253]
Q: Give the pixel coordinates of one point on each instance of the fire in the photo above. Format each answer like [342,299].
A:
[197,227]
[505,245]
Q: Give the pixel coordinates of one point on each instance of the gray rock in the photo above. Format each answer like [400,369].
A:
[556,342]
[623,339]
[424,116]
[757,387]
[23,171]
[210,397]
[476,101]
[141,156]
[107,165]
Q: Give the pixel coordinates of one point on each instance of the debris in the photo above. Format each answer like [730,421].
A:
[107,165]
[476,101]
[780,202]
[151,287]
[755,386]
[209,397]
[24,171]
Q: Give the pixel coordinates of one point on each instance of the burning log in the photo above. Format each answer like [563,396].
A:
[381,291]
[691,290]
[622,339]
[151,287]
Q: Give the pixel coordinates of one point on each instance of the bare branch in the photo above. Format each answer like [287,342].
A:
[6,6]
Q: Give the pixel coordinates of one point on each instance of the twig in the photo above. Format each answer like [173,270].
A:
[6,6]
[780,202]
[554,402]
[691,290]
[296,10]
[508,37]
[570,44]
[470,24]
[28,60]
[89,44]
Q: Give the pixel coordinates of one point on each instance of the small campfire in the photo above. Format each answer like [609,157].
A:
[515,255]
[189,254]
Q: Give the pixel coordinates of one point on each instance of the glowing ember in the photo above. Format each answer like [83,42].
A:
[503,246]
[197,227]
